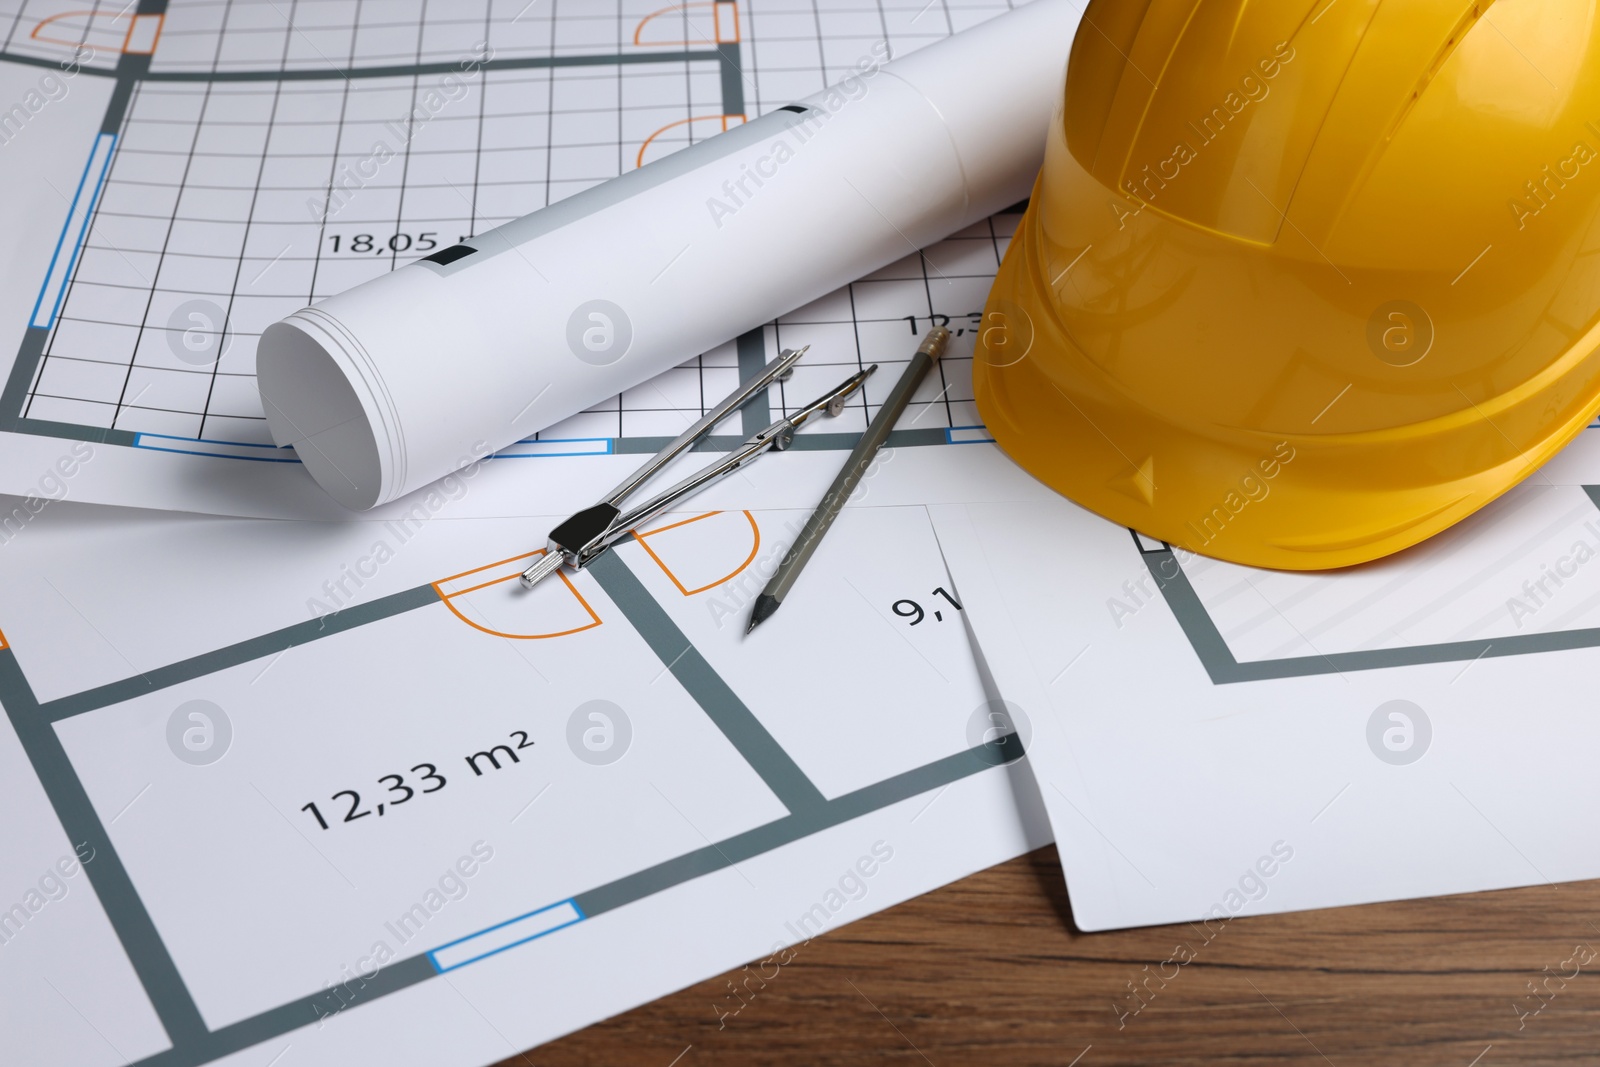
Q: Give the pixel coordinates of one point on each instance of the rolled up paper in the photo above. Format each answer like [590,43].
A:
[405,378]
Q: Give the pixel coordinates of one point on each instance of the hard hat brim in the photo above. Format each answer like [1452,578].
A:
[1282,501]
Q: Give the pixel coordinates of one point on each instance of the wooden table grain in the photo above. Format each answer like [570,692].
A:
[990,970]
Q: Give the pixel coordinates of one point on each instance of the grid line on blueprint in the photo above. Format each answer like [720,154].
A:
[880,318]
[230,203]
[76,383]
[238,271]
[332,167]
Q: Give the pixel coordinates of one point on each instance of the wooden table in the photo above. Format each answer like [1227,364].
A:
[991,971]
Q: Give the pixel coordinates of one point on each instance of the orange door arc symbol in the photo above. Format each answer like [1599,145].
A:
[755,546]
[80,29]
[703,126]
[511,611]
[723,25]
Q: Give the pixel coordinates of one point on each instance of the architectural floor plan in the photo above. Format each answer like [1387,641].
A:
[368,785]
[204,168]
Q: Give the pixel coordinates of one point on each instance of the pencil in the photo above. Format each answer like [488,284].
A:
[860,458]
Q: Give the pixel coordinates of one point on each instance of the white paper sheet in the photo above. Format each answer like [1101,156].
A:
[202,194]
[190,700]
[1212,740]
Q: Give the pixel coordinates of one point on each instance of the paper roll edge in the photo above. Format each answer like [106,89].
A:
[322,394]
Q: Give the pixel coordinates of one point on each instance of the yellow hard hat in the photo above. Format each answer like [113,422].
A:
[1305,282]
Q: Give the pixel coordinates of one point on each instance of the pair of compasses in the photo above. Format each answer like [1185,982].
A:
[581,539]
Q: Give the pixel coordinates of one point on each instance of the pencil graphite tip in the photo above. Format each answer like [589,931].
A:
[765,607]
